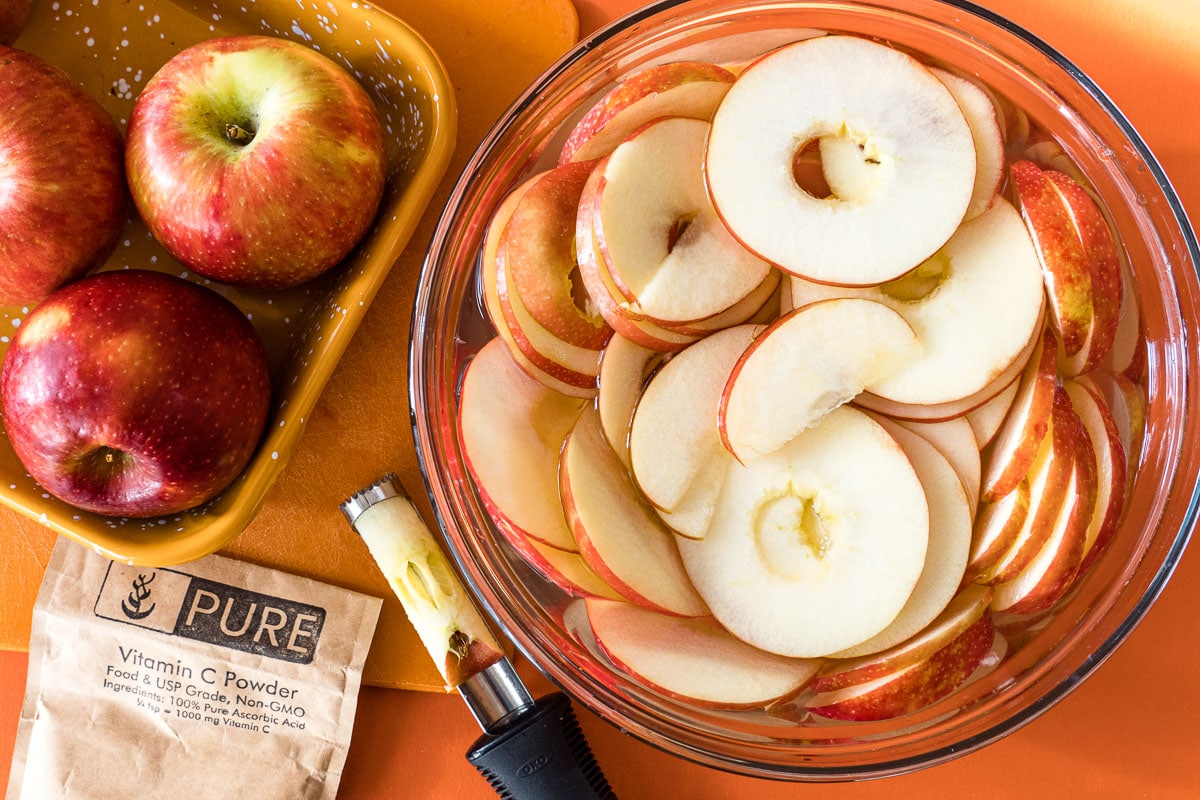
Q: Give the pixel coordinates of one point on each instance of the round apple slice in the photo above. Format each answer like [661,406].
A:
[657,232]
[677,89]
[817,546]
[980,111]
[883,100]
[975,306]
[512,427]
[674,434]
[694,660]
[1110,467]
[805,364]
[618,535]
[949,543]
[955,439]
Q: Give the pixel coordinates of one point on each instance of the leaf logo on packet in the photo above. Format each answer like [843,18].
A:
[212,612]
[132,605]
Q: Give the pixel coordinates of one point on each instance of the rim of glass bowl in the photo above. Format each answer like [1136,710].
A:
[1073,644]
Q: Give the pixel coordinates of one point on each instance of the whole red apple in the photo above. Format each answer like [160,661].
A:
[135,393]
[62,183]
[256,161]
[13,16]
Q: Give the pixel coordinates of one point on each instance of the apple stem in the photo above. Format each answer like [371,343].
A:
[238,135]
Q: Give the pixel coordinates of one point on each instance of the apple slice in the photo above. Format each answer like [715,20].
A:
[975,306]
[817,546]
[1105,441]
[618,535]
[805,364]
[914,687]
[678,89]
[1104,264]
[1126,402]
[656,229]
[986,420]
[1015,446]
[955,439]
[674,434]
[625,368]
[1049,574]
[1065,265]
[511,427]
[1128,352]
[693,660]
[692,515]
[1052,470]
[960,613]
[887,102]
[949,543]
[568,571]
[554,376]
[998,523]
[980,112]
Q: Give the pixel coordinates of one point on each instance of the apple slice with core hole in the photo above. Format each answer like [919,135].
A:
[817,546]
[1028,419]
[512,427]
[674,432]
[886,102]
[1110,468]
[655,227]
[975,306]
[913,687]
[960,613]
[949,543]
[694,660]
[618,535]
[806,363]
[678,89]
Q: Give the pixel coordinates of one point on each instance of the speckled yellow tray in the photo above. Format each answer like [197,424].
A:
[113,48]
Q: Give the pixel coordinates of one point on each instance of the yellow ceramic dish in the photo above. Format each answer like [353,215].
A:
[113,49]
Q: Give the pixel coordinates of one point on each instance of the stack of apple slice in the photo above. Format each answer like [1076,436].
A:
[800,446]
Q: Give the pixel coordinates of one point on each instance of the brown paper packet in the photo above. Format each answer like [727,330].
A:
[215,679]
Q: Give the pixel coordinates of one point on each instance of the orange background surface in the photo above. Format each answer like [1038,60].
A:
[1128,732]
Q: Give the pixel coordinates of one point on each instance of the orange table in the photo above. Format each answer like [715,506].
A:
[1128,732]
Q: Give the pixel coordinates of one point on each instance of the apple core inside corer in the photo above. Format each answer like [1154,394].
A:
[761,536]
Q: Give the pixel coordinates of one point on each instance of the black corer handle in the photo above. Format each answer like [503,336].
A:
[541,756]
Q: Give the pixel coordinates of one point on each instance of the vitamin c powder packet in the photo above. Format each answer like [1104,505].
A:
[217,678]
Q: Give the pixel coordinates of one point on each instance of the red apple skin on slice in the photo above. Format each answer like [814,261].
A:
[511,428]
[986,420]
[694,660]
[618,535]
[914,687]
[961,613]
[998,523]
[1028,419]
[1105,264]
[1105,439]
[625,368]
[537,246]
[568,571]
[1065,264]
[680,89]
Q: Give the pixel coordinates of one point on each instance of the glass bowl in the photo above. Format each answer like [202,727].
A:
[1042,662]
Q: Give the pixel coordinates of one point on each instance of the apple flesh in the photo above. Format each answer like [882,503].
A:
[135,393]
[255,160]
[695,660]
[808,362]
[512,427]
[678,89]
[817,546]
[64,200]
[887,103]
